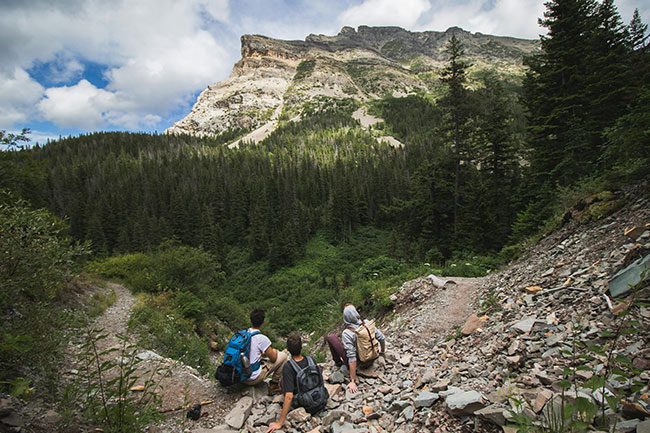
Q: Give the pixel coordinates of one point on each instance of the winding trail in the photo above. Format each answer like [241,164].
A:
[114,321]
[179,386]
[426,312]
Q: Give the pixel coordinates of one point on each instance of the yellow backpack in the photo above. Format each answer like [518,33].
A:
[368,346]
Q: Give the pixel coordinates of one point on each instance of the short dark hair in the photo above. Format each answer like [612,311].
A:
[257,317]
[294,344]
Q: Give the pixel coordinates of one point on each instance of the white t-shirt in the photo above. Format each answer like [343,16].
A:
[259,344]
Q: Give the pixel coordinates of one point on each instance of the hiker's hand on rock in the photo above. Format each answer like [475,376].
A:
[352,387]
[274,426]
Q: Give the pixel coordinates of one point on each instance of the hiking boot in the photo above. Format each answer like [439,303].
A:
[274,388]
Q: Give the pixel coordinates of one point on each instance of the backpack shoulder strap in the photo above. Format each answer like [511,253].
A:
[298,370]
[310,361]
[366,326]
[295,366]
[255,365]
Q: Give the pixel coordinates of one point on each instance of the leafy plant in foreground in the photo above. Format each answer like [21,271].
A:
[107,391]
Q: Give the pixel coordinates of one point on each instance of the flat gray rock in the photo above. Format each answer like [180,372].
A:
[466,402]
[346,427]
[643,426]
[426,399]
[525,325]
[337,377]
[335,415]
[238,415]
[496,415]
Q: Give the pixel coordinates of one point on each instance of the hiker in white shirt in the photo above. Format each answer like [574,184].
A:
[261,347]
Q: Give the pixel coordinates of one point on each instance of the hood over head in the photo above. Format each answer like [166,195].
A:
[351,315]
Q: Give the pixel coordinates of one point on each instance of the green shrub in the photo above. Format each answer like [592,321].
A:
[304,69]
[190,306]
[378,267]
[183,267]
[474,266]
[121,268]
[228,311]
[37,261]
[37,256]
[171,267]
[162,328]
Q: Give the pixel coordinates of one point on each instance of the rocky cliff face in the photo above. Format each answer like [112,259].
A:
[276,77]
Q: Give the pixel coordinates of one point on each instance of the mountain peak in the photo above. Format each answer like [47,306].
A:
[277,76]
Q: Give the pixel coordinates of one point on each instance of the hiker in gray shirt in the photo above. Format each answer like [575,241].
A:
[346,350]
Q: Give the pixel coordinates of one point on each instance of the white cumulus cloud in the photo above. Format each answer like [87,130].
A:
[65,69]
[403,13]
[81,106]
[501,17]
[18,96]
[516,18]
[158,53]
[219,10]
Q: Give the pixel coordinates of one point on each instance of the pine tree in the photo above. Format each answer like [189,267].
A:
[556,94]
[499,158]
[637,32]
[95,233]
[454,76]
[609,86]
[258,234]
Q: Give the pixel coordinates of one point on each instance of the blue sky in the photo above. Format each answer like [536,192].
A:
[75,66]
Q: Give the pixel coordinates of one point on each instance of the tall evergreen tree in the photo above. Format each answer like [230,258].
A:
[455,106]
[556,96]
[499,157]
[609,89]
[637,32]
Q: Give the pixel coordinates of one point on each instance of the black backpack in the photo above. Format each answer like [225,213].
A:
[312,394]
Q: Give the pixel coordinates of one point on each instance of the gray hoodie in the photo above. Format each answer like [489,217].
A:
[352,321]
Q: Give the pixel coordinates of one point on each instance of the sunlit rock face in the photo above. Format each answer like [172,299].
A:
[277,78]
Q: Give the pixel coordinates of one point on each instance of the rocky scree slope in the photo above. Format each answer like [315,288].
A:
[460,356]
[277,77]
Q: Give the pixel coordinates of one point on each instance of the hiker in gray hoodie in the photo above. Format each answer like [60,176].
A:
[344,350]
